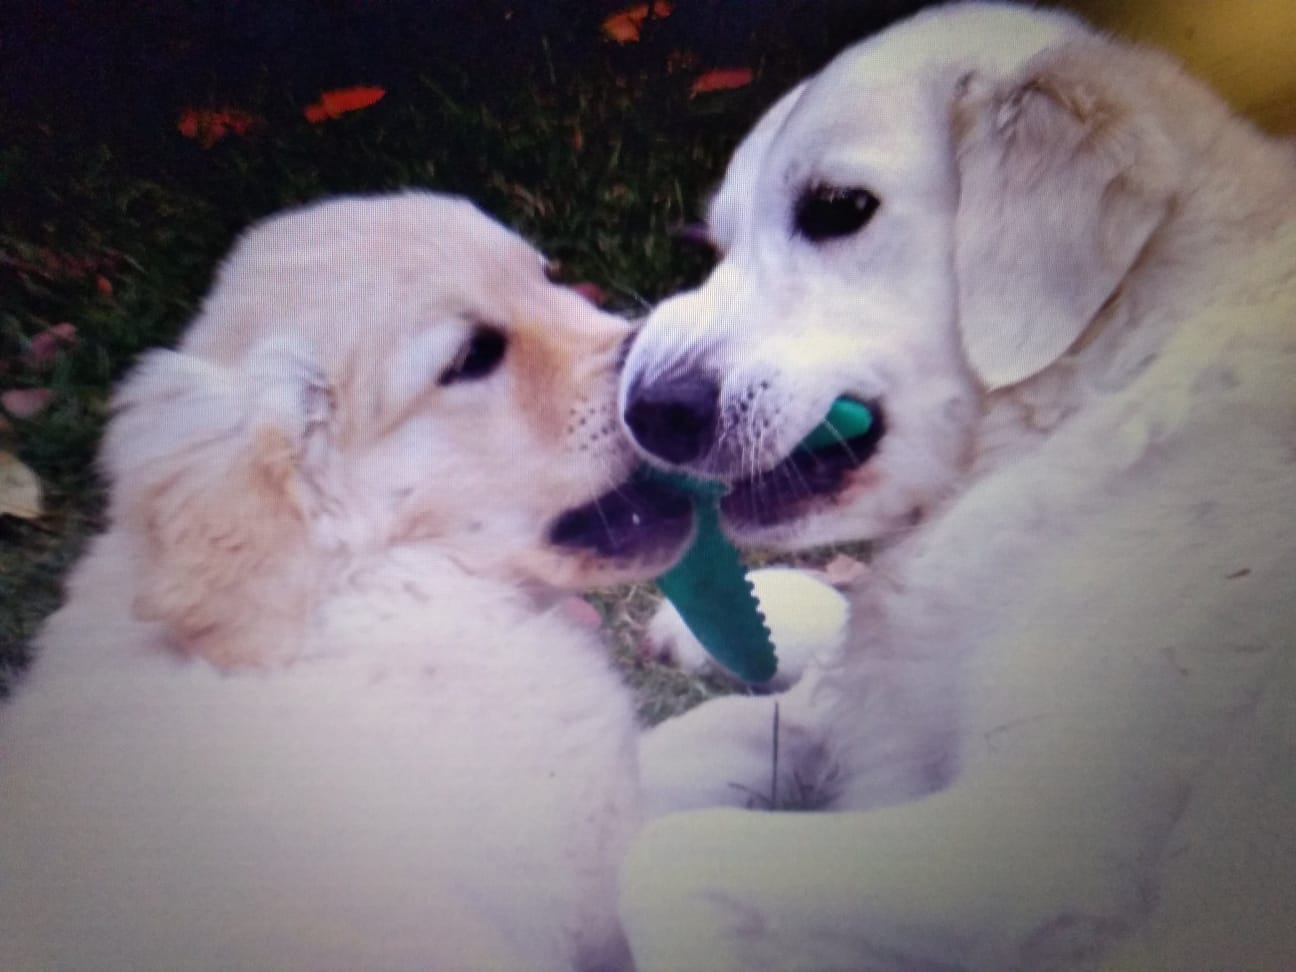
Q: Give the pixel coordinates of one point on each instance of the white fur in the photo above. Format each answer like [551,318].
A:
[306,707]
[1061,736]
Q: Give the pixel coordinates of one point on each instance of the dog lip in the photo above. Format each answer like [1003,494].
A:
[806,475]
[642,520]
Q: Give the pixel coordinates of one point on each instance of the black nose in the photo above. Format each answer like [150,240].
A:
[674,420]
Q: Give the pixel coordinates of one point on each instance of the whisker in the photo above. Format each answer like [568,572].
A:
[598,508]
[844,444]
[796,478]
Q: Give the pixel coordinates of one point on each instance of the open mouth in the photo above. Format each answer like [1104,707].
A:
[644,520]
[805,477]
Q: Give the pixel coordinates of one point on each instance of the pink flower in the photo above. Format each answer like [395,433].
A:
[24,403]
[49,343]
[590,291]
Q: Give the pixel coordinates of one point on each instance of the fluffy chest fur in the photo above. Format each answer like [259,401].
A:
[376,801]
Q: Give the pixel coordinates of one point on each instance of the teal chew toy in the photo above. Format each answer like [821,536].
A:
[709,586]
[847,419]
[710,589]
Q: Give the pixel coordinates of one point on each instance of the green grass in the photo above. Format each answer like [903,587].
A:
[597,159]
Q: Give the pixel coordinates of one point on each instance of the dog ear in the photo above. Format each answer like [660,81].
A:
[1062,185]
[206,466]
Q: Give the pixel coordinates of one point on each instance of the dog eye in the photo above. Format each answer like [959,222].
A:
[827,212]
[479,356]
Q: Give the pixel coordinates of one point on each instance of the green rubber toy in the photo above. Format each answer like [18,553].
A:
[709,586]
[847,419]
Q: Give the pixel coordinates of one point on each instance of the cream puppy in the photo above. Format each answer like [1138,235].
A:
[307,706]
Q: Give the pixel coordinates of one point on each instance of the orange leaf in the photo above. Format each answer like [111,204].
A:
[624,27]
[339,101]
[721,79]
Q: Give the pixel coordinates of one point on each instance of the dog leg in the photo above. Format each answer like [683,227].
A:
[956,881]
[755,752]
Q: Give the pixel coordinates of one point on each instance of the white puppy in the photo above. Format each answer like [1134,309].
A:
[1064,277]
[307,707]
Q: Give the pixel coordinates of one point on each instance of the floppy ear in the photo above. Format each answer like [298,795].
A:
[206,465]
[1062,185]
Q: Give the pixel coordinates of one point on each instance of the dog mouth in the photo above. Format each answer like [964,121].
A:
[642,521]
[805,478]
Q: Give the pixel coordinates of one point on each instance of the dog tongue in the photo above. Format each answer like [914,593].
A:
[709,586]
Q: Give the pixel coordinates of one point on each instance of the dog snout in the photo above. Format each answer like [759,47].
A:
[674,419]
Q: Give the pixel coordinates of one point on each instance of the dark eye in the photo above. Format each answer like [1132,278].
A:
[479,356]
[827,212]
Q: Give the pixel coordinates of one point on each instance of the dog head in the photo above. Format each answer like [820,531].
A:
[370,374]
[939,215]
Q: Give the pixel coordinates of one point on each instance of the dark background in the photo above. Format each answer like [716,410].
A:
[117,70]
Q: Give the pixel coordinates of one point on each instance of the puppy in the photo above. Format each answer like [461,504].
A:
[307,705]
[1063,276]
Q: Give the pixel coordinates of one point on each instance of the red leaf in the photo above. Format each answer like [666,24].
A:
[339,101]
[721,79]
[188,123]
[207,126]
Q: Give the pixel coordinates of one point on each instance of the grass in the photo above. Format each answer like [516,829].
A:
[598,153]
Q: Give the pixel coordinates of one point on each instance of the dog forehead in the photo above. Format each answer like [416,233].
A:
[844,134]
[874,109]
[400,239]
[408,236]
[993,38]
[895,84]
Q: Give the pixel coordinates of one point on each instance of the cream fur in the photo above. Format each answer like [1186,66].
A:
[306,706]
[1061,735]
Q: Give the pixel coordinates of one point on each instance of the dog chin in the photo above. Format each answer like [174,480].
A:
[634,531]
